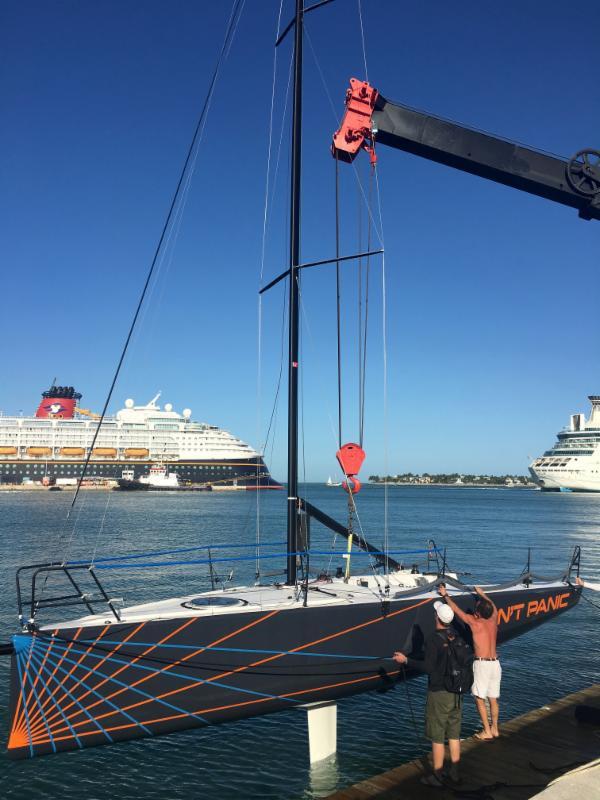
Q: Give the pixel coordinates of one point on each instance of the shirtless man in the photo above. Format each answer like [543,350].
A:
[486,668]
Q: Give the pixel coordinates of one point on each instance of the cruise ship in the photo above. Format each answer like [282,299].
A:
[55,443]
[573,463]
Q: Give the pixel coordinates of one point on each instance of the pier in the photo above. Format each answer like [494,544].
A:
[533,750]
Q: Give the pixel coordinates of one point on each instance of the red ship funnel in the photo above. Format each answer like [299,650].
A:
[58,402]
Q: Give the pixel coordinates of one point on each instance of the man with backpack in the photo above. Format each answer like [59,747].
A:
[448,662]
[487,672]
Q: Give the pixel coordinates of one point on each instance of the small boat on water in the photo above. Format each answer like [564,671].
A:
[158,479]
[330,482]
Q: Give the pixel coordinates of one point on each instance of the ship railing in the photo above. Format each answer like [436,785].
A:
[29,603]
[527,577]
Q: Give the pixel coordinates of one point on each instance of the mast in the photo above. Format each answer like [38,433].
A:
[294,322]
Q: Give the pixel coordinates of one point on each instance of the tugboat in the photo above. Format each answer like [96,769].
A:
[158,479]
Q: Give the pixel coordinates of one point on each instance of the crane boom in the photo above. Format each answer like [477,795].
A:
[371,118]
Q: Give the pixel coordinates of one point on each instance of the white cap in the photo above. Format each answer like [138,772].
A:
[444,612]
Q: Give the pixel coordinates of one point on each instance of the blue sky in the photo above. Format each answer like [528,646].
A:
[492,296]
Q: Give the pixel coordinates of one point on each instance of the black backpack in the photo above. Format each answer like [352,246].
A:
[458,674]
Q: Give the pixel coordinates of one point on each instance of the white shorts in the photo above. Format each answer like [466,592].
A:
[486,679]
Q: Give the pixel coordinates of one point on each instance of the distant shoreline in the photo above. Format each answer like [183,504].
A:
[37,487]
[454,485]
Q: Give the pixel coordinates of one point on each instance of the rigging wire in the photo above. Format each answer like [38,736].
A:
[274,409]
[372,225]
[148,319]
[385,380]
[101,527]
[230,31]
[337,120]
[374,175]
[360,535]
[359,316]
[262,269]
[362,37]
[273,416]
[590,602]
[363,366]
[338,299]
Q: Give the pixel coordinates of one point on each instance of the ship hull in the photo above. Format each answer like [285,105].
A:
[132,486]
[252,473]
[80,687]
[135,486]
[571,481]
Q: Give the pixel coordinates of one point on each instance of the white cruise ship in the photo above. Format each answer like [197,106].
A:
[573,463]
[56,441]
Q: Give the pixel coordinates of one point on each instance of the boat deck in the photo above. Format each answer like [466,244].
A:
[332,592]
[336,591]
[532,751]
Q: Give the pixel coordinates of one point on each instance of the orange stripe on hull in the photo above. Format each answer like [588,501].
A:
[214,709]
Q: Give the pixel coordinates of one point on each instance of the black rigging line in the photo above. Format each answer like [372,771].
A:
[337,284]
[231,27]
[279,377]
[591,602]
[360,326]
[363,371]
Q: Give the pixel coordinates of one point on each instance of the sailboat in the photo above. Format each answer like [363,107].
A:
[119,673]
[331,482]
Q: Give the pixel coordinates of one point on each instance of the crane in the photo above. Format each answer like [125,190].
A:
[370,119]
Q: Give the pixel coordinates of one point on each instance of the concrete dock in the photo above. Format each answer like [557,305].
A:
[533,751]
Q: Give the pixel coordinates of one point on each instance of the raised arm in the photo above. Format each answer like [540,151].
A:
[485,596]
[595,587]
[466,618]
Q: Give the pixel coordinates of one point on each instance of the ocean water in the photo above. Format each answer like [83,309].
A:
[486,532]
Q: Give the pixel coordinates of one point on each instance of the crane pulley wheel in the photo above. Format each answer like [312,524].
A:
[583,172]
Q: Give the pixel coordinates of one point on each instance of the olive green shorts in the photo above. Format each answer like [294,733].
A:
[443,715]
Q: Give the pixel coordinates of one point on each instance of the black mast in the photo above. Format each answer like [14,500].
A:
[294,322]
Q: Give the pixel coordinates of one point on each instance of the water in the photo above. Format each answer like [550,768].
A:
[486,532]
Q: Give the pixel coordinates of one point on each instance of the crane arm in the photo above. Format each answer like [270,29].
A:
[370,118]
